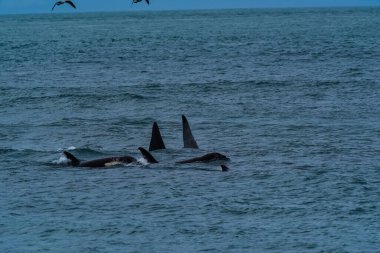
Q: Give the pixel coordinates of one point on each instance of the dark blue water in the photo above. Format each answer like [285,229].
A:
[291,96]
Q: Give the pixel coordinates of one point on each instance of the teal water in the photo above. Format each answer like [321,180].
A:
[291,96]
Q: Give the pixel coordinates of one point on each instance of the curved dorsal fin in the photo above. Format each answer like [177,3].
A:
[74,161]
[188,138]
[224,168]
[148,156]
[156,141]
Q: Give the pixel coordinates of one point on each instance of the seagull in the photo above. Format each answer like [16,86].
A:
[64,2]
[136,1]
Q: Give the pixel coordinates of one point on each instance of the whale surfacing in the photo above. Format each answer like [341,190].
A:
[98,163]
[188,138]
[210,157]
[156,141]
[147,155]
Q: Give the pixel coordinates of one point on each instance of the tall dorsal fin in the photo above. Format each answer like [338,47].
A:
[188,138]
[148,156]
[74,161]
[156,141]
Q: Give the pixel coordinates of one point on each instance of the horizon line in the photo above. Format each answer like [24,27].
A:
[191,9]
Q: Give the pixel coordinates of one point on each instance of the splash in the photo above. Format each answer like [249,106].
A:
[61,160]
[69,148]
[142,161]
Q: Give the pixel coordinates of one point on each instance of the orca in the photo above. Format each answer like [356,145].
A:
[156,141]
[188,138]
[210,157]
[98,163]
[148,156]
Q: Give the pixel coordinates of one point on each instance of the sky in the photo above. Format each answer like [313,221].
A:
[44,6]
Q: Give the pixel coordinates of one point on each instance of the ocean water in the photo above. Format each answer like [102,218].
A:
[292,96]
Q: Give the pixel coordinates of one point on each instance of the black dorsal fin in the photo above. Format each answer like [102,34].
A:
[224,168]
[156,141]
[188,138]
[148,156]
[74,161]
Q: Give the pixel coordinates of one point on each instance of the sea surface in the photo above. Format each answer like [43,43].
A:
[292,96]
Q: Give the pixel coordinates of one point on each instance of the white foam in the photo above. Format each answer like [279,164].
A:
[69,148]
[61,160]
[129,164]
[142,161]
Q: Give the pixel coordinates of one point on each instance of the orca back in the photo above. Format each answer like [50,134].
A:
[73,160]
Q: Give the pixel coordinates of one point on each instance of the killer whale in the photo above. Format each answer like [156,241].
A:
[210,157]
[147,155]
[156,141]
[189,142]
[98,163]
[188,138]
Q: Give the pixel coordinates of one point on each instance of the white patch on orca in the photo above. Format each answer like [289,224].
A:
[129,164]
[113,163]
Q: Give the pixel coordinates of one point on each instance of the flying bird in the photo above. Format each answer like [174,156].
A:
[137,1]
[64,2]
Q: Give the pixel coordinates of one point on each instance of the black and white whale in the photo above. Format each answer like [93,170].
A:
[64,2]
[189,142]
[98,163]
[156,141]
[210,157]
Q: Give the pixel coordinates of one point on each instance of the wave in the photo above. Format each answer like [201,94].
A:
[62,160]
[94,96]
[24,46]
[6,151]
[20,150]
[81,150]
